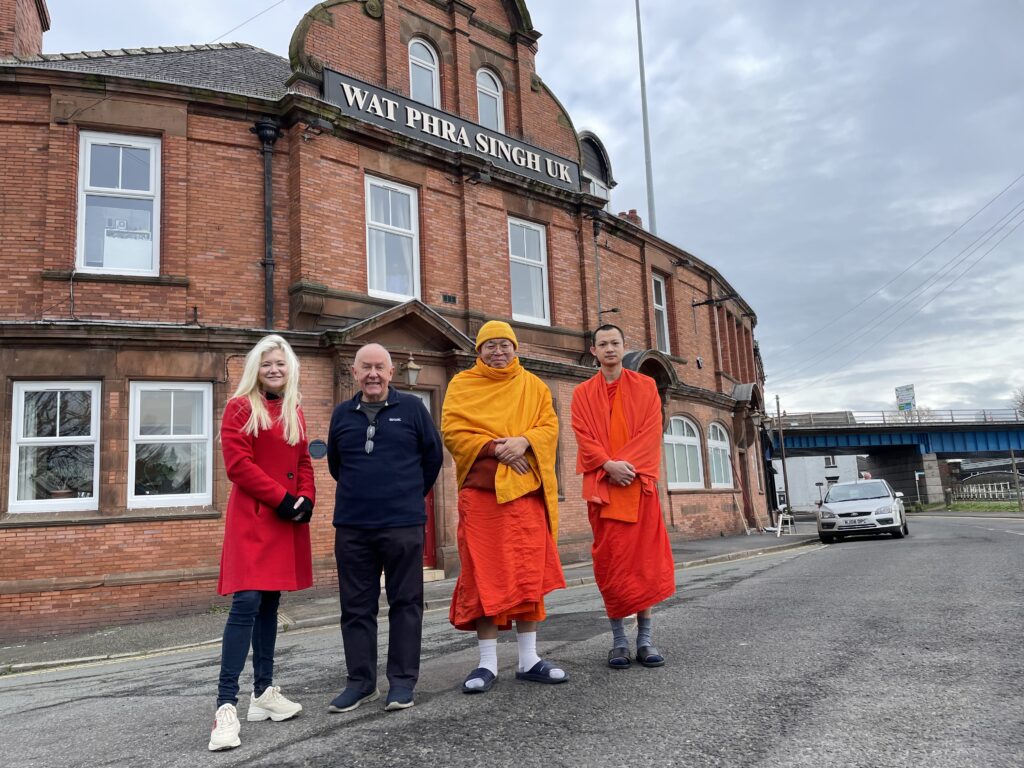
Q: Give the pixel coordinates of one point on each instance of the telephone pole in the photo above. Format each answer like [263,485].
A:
[1016,480]
[652,223]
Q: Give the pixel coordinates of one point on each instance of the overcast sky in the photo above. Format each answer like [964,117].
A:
[826,157]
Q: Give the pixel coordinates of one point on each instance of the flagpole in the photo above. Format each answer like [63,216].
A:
[651,220]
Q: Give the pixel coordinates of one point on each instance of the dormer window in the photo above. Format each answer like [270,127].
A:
[597,169]
[424,73]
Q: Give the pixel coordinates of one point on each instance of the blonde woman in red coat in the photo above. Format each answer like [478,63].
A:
[266,546]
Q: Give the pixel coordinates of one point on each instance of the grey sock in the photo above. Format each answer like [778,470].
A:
[618,634]
[644,630]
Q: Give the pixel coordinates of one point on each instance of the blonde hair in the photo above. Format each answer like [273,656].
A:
[249,388]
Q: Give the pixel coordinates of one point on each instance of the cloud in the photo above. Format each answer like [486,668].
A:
[108,24]
[811,152]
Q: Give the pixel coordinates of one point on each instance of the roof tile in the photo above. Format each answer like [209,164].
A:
[225,67]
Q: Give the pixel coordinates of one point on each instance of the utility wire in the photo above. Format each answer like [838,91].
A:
[896,327]
[901,303]
[251,18]
[160,70]
[914,263]
[904,302]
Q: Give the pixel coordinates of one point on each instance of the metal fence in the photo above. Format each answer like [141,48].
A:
[985,492]
[898,418]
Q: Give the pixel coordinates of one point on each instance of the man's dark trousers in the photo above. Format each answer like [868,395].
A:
[362,554]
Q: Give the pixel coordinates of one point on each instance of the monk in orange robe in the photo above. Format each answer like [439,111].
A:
[616,416]
[500,427]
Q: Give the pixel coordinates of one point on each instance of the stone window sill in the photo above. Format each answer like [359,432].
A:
[61,519]
[690,491]
[60,275]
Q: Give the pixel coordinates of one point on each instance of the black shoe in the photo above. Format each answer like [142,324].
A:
[399,698]
[351,698]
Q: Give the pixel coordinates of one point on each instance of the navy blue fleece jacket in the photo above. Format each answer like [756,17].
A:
[384,488]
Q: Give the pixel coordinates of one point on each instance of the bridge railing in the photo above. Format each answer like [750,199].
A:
[985,492]
[899,418]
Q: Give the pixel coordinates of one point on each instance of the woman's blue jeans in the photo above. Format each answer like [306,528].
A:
[251,621]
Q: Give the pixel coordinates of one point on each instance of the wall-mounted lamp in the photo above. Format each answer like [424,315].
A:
[715,301]
[412,371]
[605,311]
[756,417]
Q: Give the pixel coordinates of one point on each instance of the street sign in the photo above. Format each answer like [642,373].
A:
[905,398]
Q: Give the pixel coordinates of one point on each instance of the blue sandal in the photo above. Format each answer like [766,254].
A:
[650,656]
[480,673]
[541,673]
[618,658]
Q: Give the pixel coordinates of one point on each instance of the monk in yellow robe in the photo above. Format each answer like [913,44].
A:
[499,425]
[616,415]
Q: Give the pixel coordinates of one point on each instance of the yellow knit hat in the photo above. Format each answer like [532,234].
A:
[496,329]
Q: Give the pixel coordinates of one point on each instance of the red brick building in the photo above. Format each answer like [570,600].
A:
[403,177]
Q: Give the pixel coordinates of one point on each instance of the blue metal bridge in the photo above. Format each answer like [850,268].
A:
[944,433]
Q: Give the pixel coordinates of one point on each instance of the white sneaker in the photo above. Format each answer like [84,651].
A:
[273,705]
[225,729]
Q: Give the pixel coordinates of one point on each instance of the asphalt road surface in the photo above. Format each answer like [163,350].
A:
[871,652]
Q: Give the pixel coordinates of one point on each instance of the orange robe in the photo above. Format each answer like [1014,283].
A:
[506,537]
[632,556]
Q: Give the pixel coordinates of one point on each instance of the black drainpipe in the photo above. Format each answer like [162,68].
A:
[268,132]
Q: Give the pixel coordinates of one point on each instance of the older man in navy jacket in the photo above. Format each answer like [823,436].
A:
[385,453]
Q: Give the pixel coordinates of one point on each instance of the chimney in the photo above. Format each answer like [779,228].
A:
[632,217]
[22,23]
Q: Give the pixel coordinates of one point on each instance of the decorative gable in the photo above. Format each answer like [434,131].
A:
[411,325]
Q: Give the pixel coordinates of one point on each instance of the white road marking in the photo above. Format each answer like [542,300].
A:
[969,517]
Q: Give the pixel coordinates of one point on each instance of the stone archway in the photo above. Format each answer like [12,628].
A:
[655,364]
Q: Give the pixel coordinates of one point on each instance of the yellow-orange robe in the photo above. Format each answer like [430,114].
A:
[506,538]
[632,556]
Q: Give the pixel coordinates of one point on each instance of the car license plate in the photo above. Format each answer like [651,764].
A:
[853,522]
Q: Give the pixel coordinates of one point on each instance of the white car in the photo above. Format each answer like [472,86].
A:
[861,506]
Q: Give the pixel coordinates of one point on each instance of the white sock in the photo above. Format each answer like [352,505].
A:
[488,660]
[527,650]
[528,654]
[489,655]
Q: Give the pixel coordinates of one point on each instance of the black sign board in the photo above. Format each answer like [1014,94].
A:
[411,118]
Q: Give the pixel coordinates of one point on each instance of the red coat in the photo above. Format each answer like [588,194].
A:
[262,551]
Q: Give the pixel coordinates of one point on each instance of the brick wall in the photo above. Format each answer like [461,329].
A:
[61,578]
[211,247]
[22,211]
[347,39]
[21,27]
[707,511]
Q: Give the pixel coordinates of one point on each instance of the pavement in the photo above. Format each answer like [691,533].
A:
[301,609]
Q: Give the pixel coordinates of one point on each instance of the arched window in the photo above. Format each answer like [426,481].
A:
[424,73]
[718,455]
[490,103]
[682,454]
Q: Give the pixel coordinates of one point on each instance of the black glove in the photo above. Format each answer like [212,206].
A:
[286,510]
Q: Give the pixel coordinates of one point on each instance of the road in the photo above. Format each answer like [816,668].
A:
[872,653]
